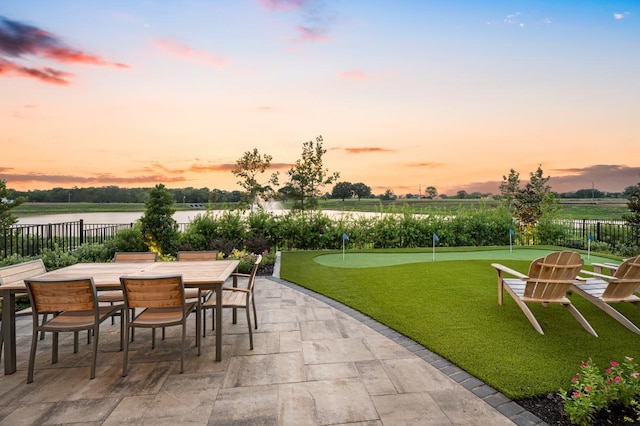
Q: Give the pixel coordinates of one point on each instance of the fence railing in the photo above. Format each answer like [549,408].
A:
[30,240]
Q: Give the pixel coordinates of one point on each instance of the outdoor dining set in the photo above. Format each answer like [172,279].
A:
[136,288]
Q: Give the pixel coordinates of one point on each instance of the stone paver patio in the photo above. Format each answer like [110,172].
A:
[315,362]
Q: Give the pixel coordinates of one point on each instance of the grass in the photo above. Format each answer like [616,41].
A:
[606,208]
[450,307]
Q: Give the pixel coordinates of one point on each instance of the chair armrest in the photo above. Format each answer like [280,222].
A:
[238,274]
[598,267]
[242,290]
[509,271]
[595,274]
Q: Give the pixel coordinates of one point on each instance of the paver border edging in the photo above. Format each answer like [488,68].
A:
[495,399]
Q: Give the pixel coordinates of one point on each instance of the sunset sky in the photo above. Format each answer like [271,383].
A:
[406,94]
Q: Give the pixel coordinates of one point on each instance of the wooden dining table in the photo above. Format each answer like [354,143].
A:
[205,275]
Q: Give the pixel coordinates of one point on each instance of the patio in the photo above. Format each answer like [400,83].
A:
[315,362]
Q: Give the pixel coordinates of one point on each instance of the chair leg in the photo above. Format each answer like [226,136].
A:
[54,349]
[249,325]
[184,341]
[44,320]
[153,338]
[32,355]
[583,322]
[255,314]
[94,358]
[125,342]
[75,342]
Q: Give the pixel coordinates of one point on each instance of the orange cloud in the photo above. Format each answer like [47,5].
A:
[197,168]
[366,150]
[104,179]
[183,51]
[429,165]
[47,75]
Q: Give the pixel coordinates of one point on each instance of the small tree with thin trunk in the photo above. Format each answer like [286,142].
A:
[248,168]
[308,175]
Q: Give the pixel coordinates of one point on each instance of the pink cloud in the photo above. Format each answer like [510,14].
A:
[183,51]
[353,75]
[282,4]
[366,150]
[18,40]
[311,34]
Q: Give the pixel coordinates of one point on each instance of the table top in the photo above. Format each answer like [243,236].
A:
[106,276]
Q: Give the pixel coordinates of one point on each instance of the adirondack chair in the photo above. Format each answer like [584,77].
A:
[547,282]
[601,290]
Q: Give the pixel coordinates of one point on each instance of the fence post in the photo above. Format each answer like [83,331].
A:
[81,231]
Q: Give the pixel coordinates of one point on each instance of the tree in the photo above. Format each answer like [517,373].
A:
[308,176]
[430,192]
[534,200]
[388,195]
[247,169]
[342,190]
[6,217]
[361,190]
[633,218]
[509,188]
[159,228]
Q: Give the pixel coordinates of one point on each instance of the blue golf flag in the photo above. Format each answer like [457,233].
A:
[511,232]
[590,236]
[435,237]
[345,236]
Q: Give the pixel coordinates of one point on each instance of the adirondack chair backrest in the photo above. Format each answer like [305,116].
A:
[626,280]
[550,277]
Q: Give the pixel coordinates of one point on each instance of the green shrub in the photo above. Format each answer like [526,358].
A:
[128,239]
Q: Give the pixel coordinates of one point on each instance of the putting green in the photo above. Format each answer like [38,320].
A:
[369,260]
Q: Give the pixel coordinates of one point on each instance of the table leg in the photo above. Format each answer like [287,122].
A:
[9,331]
[219,323]
[234,316]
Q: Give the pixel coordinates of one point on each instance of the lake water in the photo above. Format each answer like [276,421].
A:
[182,216]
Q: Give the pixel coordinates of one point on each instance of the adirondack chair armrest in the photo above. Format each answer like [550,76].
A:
[505,269]
[594,274]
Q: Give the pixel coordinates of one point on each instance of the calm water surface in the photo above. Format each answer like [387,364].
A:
[182,216]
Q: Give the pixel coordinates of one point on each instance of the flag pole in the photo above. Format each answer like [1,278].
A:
[434,251]
[343,249]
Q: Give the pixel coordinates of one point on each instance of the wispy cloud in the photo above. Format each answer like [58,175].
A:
[99,179]
[18,40]
[427,165]
[620,15]
[514,19]
[353,75]
[315,23]
[312,34]
[366,150]
[181,50]
[282,4]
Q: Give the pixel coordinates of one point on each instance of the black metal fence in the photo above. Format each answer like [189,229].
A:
[30,240]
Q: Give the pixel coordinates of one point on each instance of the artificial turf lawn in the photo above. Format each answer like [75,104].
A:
[450,307]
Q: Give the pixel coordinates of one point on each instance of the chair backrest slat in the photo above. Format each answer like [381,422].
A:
[55,295]
[135,256]
[153,292]
[551,277]
[198,255]
[626,280]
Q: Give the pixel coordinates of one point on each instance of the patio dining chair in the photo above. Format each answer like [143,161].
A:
[73,304]
[116,296]
[163,304]
[547,282]
[619,287]
[237,297]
